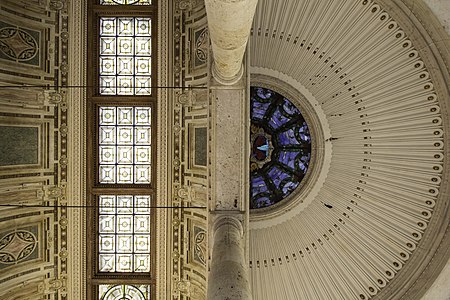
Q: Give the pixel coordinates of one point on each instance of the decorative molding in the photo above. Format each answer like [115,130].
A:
[164,147]
[75,34]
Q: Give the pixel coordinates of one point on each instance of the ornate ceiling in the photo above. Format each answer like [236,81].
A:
[372,81]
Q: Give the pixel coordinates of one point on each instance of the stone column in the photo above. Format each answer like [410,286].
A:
[229,23]
[228,278]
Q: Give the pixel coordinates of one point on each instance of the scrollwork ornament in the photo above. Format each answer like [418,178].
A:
[183,287]
[18,44]
[185,4]
[55,97]
[53,192]
[201,46]
[186,98]
[184,193]
[57,4]
[17,246]
[200,247]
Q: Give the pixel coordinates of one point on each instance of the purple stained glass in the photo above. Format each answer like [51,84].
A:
[277,176]
[281,147]
[259,185]
[288,158]
[290,108]
[277,119]
[288,137]
[259,109]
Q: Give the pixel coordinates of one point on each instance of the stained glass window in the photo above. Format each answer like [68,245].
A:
[281,147]
[125,2]
[125,56]
[124,145]
[124,233]
[124,292]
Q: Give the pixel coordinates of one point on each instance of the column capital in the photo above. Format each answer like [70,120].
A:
[226,80]
[233,220]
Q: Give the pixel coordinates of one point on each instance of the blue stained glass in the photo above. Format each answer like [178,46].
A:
[277,119]
[263,93]
[281,147]
[288,158]
[261,201]
[277,176]
[303,133]
[288,137]
[290,108]
[303,162]
[259,185]
[288,187]
[259,109]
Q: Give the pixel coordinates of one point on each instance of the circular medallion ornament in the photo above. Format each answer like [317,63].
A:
[281,147]
[17,44]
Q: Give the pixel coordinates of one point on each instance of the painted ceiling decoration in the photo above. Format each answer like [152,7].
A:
[281,147]
[17,246]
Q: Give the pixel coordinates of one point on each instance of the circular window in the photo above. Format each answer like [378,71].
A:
[280,147]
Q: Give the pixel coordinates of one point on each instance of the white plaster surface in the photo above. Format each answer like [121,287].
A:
[441,9]
[440,290]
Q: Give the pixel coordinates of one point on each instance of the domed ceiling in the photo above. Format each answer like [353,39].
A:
[379,91]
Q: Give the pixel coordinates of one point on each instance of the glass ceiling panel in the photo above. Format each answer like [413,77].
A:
[124,151]
[124,233]
[125,55]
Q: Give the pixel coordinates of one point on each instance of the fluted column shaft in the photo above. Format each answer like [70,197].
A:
[228,278]
[229,23]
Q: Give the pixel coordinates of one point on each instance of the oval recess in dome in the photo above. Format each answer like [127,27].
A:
[281,147]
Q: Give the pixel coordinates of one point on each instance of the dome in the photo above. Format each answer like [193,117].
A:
[367,219]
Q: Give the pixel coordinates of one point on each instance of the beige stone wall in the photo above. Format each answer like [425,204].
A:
[441,9]
[440,290]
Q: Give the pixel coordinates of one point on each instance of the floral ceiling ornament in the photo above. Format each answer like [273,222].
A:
[17,44]
[17,246]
